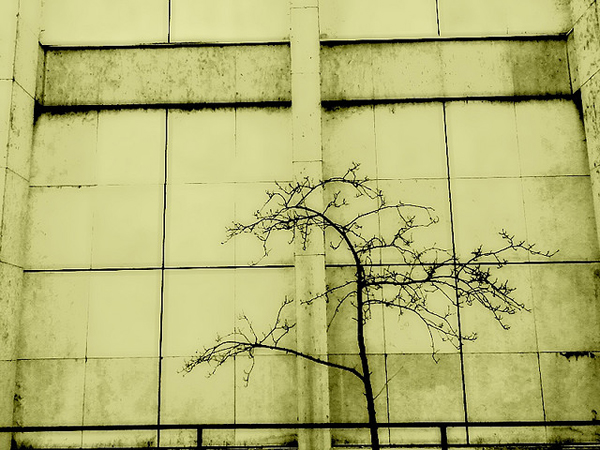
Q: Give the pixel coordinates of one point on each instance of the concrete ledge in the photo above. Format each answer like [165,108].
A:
[166,74]
[444,69]
[180,75]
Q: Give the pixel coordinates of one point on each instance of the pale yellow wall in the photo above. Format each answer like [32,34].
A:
[19,51]
[145,195]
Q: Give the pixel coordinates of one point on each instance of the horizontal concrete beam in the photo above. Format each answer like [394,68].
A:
[163,74]
[445,69]
[179,75]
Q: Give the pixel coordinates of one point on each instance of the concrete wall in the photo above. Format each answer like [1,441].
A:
[19,51]
[143,154]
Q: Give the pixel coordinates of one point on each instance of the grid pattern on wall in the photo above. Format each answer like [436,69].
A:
[125,271]
[132,270]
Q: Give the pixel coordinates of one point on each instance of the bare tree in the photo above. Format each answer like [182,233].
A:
[390,270]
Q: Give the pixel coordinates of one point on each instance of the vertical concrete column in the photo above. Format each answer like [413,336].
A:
[313,385]
[19,52]
[584,62]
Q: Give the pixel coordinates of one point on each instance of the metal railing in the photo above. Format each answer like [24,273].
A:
[442,427]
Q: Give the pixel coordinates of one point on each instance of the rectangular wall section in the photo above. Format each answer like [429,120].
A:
[167,75]
[436,69]
[484,166]
[389,19]
[149,145]
[111,22]
[128,274]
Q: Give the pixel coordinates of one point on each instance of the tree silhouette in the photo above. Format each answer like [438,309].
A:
[390,270]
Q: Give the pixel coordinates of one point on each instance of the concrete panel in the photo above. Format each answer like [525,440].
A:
[14,215]
[422,390]
[8,12]
[30,14]
[167,75]
[491,337]
[575,374]
[394,78]
[197,219]
[482,139]
[347,401]
[56,439]
[195,397]
[199,306]
[229,21]
[346,72]
[131,147]
[566,306]
[7,388]
[448,68]
[124,314]
[545,17]
[259,293]
[201,146]
[336,250]
[6,87]
[578,7]
[55,315]
[3,173]
[70,22]
[21,132]
[120,391]
[427,193]
[540,67]
[64,150]
[503,17]
[263,144]
[473,18]
[270,395]
[584,46]
[249,197]
[484,207]
[353,19]
[60,228]
[118,439]
[49,392]
[263,73]
[503,387]
[127,226]
[342,331]
[590,94]
[194,73]
[410,141]
[406,333]
[10,305]
[477,68]
[26,58]
[554,207]
[551,138]
[349,137]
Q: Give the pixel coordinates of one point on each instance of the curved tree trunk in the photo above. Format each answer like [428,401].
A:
[364,361]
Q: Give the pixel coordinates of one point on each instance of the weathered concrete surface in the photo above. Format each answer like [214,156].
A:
[19,52]
[380,19]
[584,46]
[503,17]
[230,21]
[71,22]
[431,69]
[205,74]
[352,19]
